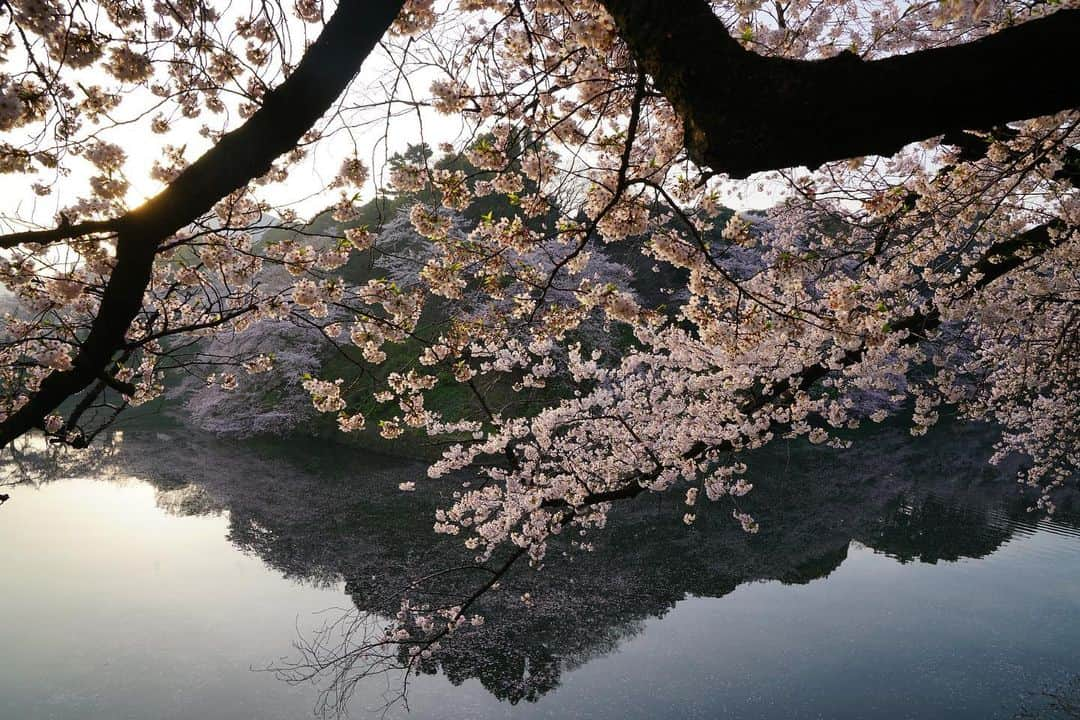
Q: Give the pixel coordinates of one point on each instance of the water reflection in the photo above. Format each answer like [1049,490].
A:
[1056,702]
[323,515]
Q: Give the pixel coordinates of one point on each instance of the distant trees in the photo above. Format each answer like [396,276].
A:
[269,399]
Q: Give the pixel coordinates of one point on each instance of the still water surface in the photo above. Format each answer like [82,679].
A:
[162,578]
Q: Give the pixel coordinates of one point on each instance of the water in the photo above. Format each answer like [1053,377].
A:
[160,578]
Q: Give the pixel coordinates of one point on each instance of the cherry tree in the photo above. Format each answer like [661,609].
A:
[920,246]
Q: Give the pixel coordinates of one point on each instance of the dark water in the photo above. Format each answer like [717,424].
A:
[160,578]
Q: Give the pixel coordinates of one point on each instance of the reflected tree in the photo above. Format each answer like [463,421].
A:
[1060,702]
[323,523]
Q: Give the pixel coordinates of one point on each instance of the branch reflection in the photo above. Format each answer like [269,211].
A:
[325,515]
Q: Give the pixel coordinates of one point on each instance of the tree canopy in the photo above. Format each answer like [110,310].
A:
[606,325]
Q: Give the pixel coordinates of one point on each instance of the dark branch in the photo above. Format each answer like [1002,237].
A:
[64,231]
[246,153]
[745,113]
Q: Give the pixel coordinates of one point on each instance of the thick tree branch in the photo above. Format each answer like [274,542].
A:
[246,153]
[64,231]
[745,113]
